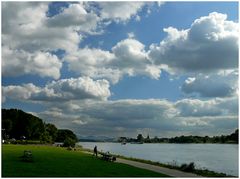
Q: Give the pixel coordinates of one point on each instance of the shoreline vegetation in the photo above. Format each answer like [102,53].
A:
[223,139]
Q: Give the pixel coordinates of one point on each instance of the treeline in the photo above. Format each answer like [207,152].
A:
[18,125]
[232,138]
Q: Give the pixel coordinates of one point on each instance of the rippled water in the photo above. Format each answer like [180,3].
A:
[216,157]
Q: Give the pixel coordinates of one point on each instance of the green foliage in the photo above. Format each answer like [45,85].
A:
[52,131]
[140,138]
[69,142]
[7,125]
[59,162]
[63,134]
[188,167]
[45,137]
[17,123]
[232,138]
[22,124]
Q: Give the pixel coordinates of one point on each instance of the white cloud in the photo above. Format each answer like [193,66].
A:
[131,35]
[26,26]
[20,62]
[210,44]
[17,16]
[212,107]
[62,90]
[120,11]
[79,122]
[93,63]
[128,57]
[74,16]
[27,31]
[213,85]
[129,53]
[27,41]
[23,92]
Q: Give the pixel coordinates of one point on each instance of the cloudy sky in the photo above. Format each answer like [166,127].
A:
[123,68]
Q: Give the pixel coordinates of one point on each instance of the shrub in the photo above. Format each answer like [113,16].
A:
[69,142]
[188,167]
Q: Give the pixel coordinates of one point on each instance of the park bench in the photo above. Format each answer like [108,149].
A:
[27,156]
[108,157]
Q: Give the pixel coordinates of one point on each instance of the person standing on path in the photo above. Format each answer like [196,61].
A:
[95,151]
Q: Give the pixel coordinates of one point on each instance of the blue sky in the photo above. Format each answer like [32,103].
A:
[87,65]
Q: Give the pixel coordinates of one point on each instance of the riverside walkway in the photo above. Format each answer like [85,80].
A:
[158,169]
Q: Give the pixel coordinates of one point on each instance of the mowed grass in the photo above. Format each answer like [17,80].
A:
[58,162]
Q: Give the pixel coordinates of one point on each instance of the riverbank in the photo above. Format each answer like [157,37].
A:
[213,157]
[51,161]
[173,169]
[199,172]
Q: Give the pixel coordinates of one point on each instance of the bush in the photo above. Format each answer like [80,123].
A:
[188,167]
[69,142]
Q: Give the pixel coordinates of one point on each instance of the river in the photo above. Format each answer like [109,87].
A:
[216,157]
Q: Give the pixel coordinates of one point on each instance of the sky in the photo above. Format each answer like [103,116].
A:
[123,68]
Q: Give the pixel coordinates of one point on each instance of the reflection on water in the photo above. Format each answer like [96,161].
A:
[216,157]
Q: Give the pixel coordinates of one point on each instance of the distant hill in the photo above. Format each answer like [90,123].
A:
[20,125]
[96,139]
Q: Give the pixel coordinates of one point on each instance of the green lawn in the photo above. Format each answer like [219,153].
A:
[59,162]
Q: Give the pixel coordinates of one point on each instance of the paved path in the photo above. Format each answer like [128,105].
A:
[158,169]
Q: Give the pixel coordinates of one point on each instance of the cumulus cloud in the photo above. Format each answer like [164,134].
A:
[26,26]
[119,11]
[93,63]
[202,108]
[20,62]
[74,16]
[27,41]
[62,90]
[127,57]
[213,85]
[210,44]
[129,53]
[27,29]
[23,92]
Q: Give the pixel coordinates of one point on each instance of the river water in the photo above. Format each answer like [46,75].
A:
[216,157]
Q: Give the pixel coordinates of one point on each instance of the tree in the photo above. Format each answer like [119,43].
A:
[52,131]
[69,142]
[16,123]
[63,134]
[140,138]
[22,124]
[147,140]
[45,137]
[7,125]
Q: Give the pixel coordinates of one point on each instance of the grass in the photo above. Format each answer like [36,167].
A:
[51,161]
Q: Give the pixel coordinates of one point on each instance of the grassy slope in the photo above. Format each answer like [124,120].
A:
[58,162]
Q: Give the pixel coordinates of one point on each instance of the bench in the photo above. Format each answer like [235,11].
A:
[108,157]
[27,156]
